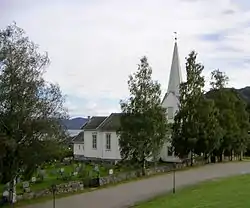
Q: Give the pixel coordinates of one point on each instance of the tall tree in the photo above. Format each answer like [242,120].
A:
[195,127]
[30,107]
[209,130]
[185,133]
[242,118]
[143,123]
[232,116]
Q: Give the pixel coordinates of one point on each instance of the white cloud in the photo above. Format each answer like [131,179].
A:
[95,45]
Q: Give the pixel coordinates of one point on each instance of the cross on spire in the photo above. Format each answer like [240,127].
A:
[175,37]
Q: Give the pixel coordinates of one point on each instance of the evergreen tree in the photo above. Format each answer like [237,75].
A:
[143,123]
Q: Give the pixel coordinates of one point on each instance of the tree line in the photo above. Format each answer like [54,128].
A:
[209,124]
[213,123]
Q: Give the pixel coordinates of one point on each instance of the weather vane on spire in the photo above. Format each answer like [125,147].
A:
[175,33]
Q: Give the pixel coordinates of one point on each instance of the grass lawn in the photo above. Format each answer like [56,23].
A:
[233,192]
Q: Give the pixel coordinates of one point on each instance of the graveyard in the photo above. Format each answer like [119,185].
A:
[57,173]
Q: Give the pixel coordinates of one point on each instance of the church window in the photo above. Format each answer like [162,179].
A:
[94,141]
[170,112]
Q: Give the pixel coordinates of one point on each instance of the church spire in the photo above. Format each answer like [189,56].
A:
[175,77]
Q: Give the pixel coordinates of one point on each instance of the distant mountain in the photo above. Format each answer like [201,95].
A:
[245,93]
[74,123]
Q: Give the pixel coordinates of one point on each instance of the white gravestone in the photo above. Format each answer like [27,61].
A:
[111,171]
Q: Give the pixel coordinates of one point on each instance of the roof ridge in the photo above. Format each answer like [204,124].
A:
[102,124]
[94,122]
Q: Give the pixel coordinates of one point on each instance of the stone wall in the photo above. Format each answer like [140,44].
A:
[75,186]
[69,187]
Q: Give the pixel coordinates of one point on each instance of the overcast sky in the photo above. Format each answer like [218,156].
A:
[95,44]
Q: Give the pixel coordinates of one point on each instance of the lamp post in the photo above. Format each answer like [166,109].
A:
[53,190]
[176,160]
[174,177]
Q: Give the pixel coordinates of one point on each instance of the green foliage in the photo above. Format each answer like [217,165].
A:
[233,118]
[209,131]
[196,128]
[185,132]
[30,107]
[143,122]
[219,79]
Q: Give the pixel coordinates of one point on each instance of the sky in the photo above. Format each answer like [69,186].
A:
[94,45]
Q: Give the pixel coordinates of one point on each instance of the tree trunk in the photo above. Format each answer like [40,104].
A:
[220,157]
[12,192]
[209,159]
[241,155]
[144,167]
[192,159]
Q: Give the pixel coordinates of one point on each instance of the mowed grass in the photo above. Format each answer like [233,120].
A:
[233,192]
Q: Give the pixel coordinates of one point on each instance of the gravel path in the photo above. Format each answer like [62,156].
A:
[127,194]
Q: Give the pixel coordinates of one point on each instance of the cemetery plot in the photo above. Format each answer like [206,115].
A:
[58,173]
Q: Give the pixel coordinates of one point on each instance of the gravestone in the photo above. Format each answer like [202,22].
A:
[26,186]
[18,180]
[111,171]
[33,179]
[96,168]
[77,169]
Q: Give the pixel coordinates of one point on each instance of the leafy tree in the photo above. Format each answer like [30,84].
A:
[219,79]
[242,118]
[185,130]
[143,122]
[196,128]
[210,132]
[30,107]
[232,116]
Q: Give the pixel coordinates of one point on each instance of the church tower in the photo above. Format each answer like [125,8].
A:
[171,98]
[171,101]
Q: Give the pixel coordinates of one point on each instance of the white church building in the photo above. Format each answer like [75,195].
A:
[99,140]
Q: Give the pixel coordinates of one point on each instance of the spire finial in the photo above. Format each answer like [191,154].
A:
[175,38]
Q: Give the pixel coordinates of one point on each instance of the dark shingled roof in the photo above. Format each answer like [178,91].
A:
[112,123]
[94,122]
[79,138]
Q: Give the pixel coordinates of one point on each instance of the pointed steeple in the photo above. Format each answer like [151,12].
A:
[175,77]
